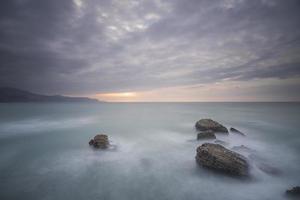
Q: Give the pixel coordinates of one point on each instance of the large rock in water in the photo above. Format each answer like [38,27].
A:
[217,157]
[209,124]
[100,141]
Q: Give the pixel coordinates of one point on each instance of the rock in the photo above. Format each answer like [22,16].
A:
[209,124]
[100,141]
[221,142]
[233,130]
[217,157]
[295,191]
[206,135]
[91,142]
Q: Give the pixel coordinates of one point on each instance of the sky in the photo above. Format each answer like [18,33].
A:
[156,50]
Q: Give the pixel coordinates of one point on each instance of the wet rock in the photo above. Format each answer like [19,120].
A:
[233,130]
[221,142]
[91,142]
[217,157]
[206,135]
[294,192]
[100,141]
[209,124]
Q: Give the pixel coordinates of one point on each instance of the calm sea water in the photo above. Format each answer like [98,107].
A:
[44,151]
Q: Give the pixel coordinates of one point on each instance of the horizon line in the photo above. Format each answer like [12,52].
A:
[200,101]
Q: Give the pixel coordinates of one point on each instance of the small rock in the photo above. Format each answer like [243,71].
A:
[206,135]
[209,124]
[91,142]
[217,157]
[295,191]
[233,130]
[100,141]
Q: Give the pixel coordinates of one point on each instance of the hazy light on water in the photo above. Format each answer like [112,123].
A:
[154,155]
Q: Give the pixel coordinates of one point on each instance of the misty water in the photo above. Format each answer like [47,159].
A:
[44,151]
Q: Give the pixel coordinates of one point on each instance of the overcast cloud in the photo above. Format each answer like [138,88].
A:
[84,47]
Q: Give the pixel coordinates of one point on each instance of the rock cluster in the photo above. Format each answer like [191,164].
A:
[100,141]
[208,127]
[217,157]
[209,124]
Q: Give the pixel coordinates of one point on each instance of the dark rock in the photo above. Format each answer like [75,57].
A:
[206,135]
[209,124]
[100,141]
[217,157]
[295,192]
[233,130]
[221,142]
[91,142]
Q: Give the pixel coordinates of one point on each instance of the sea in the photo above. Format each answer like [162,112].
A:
[45,155]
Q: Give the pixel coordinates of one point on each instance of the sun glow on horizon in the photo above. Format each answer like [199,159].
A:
[214,92]
[118,96]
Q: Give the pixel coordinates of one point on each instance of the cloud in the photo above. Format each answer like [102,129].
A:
[85,47]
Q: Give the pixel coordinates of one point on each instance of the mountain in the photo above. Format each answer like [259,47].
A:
[11,95]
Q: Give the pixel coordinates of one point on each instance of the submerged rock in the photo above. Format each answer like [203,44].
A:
[233,130]
[256,158]
[295,191]
[206,135]
[217,157]
[264,165]
[268,169]
[221,142]
[100,141]
[209,124]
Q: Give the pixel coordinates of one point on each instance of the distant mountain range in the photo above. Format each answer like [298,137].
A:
[12,95]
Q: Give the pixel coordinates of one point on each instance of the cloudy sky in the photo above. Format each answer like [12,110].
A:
[156,50]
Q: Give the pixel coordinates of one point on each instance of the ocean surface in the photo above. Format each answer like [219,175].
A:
[44,151]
